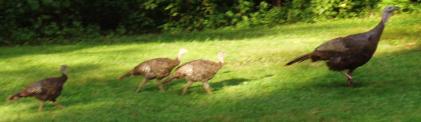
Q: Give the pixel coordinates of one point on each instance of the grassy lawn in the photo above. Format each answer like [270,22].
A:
[252,86]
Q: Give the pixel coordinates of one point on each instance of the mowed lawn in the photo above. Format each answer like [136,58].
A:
[252,86]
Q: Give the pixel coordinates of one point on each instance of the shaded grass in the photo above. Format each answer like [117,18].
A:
[253,85]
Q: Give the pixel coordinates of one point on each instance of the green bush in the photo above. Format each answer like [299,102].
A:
[35,21]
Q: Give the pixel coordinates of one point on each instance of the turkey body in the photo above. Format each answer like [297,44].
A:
[349,52]
[157,68]
[198,70]
[45,90]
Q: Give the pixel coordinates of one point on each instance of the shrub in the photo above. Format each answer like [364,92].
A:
[34,21]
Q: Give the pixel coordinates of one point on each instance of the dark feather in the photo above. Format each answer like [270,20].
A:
[45,90]
[349,52]
[299,59]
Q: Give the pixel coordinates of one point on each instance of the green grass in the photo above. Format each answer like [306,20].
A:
[252,86]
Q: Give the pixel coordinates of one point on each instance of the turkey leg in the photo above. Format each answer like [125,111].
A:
[207,87]
[165,81]
[168,79]
[141,85]
[189,83]
[41,106]
[348,75]
[160,85]
[58,105]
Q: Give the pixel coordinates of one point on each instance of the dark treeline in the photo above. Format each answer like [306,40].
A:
[43,21]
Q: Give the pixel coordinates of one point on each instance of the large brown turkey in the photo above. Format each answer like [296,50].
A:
[45,90]
[350,52]
[157,68]
[198,70]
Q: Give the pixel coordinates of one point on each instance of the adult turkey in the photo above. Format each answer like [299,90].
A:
[157,68]
[45,90]
[198,70]
[349,52]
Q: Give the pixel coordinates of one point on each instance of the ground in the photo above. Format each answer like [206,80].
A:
[253,85]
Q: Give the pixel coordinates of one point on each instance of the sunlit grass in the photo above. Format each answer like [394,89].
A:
[253,85]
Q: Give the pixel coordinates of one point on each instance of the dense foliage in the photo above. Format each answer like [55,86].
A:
[36,21]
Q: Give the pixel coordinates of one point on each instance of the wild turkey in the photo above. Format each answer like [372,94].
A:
[198,70]
[45,90]
[157,68]
[350,52]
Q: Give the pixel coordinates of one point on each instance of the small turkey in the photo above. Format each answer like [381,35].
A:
[198,70]
[350,52]
[45,90]
[157,68]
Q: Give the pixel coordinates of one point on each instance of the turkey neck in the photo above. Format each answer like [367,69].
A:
[377,31]
[177,60]
[220,64]
[63,76]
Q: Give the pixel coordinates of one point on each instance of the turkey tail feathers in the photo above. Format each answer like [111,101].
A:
[128,74]
[14,97]
[299,59]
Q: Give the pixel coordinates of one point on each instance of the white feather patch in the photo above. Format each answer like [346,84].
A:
[146,68]
[188,69]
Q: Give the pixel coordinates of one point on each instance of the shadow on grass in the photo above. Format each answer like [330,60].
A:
[227,83]
[197,86]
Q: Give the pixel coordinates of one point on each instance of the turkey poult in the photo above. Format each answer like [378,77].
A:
[45,90]
[198,70]
[348,53]
[157,68]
